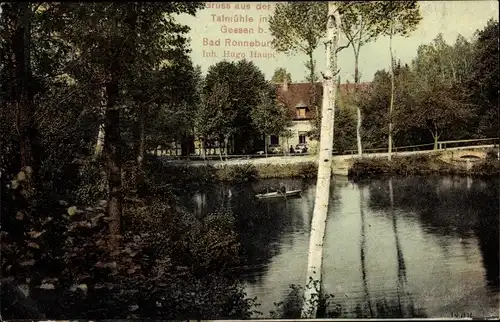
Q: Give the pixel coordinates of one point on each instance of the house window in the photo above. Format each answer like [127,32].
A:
[302,137]
[301,112]
[275,140]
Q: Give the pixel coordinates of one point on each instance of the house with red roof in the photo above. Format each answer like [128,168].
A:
[296,98]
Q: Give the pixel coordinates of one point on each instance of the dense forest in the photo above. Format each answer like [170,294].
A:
[92,226]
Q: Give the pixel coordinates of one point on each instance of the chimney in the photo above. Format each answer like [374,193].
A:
[285,83]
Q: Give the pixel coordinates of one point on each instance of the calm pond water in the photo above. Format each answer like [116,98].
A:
[401,247]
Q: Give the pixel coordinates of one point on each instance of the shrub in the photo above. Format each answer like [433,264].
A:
[92,184]
[308,170]
[487,168]
[237,173]
[417,165]
[492,154]
[78,276]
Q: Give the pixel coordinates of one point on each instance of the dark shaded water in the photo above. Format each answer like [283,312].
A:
[426,247]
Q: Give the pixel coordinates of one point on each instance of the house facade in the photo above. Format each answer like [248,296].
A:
[295,98]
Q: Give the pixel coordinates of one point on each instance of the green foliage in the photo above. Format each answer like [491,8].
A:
[127,64]
[308,170]
[363,22]
[92,185]
[492,154]
[144,278]
[345,128]
[482,81]
[395,17]
[279,76]
[304,170]
[210,245]
[238,173]
[216,117]
[232,93]
[419,165]
[268,116]
[291,307]
[297,27]
[436,97]
[489,167]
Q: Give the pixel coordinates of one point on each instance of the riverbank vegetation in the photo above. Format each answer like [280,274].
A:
[413,165]
[199,176]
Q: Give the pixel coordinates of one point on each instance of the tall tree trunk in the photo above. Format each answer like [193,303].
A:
[23,93]
[318,225]
[204,148]
[358,109]
[313,93]
[265,144]
[220,148]
[141,137]
[112,148]
[102,133]
[391,104]
[226,138]
[435,136]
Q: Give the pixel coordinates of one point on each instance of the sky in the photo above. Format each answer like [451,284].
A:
[450,18]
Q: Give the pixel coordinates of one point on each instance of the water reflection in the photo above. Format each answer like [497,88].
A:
[401,247]
[362,252]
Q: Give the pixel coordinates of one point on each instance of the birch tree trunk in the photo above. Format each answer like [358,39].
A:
[358,109]
[100,141]
[99,146]
[391,104]
[318,224]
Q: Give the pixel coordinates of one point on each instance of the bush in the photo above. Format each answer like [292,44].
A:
[417,165]
[492,154]
[237,173]
[301,170]
[72,271]
[487,168]
[160,174]
[308,170]
[92,184]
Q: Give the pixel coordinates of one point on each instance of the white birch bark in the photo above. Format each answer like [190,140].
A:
[318,224]
[100,136]
[391,104]
[100,141]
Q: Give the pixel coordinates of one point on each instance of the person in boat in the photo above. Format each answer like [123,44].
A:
[282,188]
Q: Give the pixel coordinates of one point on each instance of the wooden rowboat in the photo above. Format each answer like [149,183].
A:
[279,194]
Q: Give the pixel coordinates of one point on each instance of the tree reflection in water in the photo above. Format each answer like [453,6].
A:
[362,247]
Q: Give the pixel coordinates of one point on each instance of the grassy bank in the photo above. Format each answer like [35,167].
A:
[422,165]
[201,175]
[241,173]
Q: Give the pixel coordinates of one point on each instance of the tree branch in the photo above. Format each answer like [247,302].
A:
[340,48]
